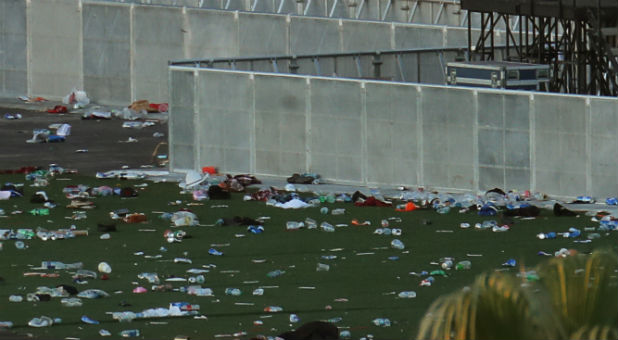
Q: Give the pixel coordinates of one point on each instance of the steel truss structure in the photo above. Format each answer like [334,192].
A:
[578,38]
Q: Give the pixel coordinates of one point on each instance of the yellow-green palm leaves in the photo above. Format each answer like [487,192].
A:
[575,298]
[584,293]
[494,307]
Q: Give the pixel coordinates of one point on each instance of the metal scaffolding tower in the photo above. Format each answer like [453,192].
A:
[578,38]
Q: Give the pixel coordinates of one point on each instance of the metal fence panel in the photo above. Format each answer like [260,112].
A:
[158,37]
[280,125]
[560,147]
[603,147]
[211,34]
[448,137]
[336,129]
[107,56]
[226,120]
[13,66]
[365,36]
[182,120]
[55,63]
[413,36]
[314,36]
[392,134]
[262,34]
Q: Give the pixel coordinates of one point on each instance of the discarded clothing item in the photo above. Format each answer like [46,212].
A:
[560,210]
[70,290]
[527,211]
[410,206]
[293,204]
[247,180]
[58,109]
[358,196]
[232,184]
[216,192]
[306,178]
[135,218]
[488,209]
[372,202]
[496,190]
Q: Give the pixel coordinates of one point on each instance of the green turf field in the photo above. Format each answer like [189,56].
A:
[361,285]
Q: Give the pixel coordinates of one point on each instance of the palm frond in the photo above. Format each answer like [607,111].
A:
[494,307]
[583,288]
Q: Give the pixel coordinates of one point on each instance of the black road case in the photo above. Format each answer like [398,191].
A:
[498,74]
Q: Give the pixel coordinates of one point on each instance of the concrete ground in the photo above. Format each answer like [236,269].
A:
[104,140]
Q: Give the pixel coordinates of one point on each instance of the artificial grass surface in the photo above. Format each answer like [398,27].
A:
[368,282]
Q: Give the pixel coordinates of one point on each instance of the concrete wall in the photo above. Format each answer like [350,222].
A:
[119,52]
[384,133]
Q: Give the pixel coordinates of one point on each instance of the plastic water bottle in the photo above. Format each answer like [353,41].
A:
[258,291]
[293,225]
[338,211]
[407,294]
[275,273]
[325,226]
[382,322]
[345,334]
[335,319]
[463,265]
[294,318]
[324,210]
[384,223]
[321,267]
[510,263]
[397,244]
[129,333]
[444,209]
[311,223]
[16,298]
[543,236]
[273,309]
[232,291]
[593,236]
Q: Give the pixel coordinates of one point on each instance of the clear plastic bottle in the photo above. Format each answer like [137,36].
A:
[325,226]
[293,225]
[409,294]
[382,322]
[129,333]
[397,244]
[275,273]
[232,291]
[339,211]
[463,265]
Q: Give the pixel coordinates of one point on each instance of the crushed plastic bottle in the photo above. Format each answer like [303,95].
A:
[543,236]
[345,334]
[321,267]
[273,309]
[294,318]
[232,291]
[129,333]
[407,294]
[258,291]
[510,263]
[275,273]
[293,225]
[463,265]
[397,244]
[382,322]
[339,211]
[325,226]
